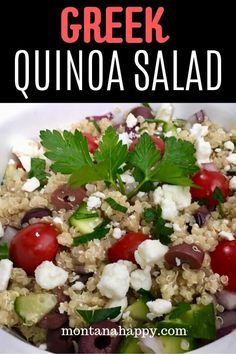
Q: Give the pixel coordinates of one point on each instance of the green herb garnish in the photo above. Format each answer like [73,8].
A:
[68,150]
[38,170]
[116,206]
[145,295]
[95,124]
[4,251]
[147,105]
[99,232]
[218,196]
[92,316]
[159,230]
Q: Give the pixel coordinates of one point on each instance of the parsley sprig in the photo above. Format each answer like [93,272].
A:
[70,155]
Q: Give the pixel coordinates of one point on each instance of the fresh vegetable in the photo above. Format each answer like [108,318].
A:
[185,253]
[143,111]
[67,197]
[159,230]
[68,151]
[83,220]
[177,345]
[208,181]
[92,145]
[4,252]
[38,170]
[223,261]
[199,321]
[70,155]
[200,215]
[130,345]
[138,310]
[116,206]
[159,143]
[125,247]
[99,232]
[33,307]
[35,213]
[97,315]
[9,234]
[227,299]
[33,245]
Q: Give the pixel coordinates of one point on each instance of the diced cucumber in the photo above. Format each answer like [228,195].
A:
[202,320]
[138,310]
[84,220]
[33,307]
[176,345]
[199,322]
[182,328]
[130,346]
[169,126]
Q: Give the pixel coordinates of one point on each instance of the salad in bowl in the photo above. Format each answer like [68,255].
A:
[118,234]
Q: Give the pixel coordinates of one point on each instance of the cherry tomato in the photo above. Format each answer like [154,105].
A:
[33,245]
[223,261]
[160,145]
[125,247]
[92,146]
[208,181]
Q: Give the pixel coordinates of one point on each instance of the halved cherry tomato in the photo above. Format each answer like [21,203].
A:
[33,245]
[208,181]
[160,145]
[223,261]
[92,146]
[125,247]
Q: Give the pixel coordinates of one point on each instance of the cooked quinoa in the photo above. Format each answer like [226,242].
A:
[176,284]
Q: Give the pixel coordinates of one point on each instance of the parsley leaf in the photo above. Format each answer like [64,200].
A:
[69,151]
[38,170]
[159,230]
[99,232]
[116,206]
[180,153]
[179,310]
[171,174]
[145,155]
[109,156]
[112,151]
[97,315]
[4,251]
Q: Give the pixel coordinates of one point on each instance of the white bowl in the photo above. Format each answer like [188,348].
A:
[26,121]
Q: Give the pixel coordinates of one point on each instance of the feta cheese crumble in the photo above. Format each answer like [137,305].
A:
[149,253]
[31,184]
[203,151]
[198,130]
[114,282]
[165,112]
[227,235]
[127,178]
[5,273]
[158,308]
[117,233]
[78,285]
[124,137]
[232,158]
[172,199]
[131,121]
[48,276]
[141,279]
[232,183]
[93,202]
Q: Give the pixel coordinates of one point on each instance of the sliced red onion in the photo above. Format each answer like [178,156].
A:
[108,115]
[9,234]
[227,299]
[150,345]
[210,166]
[228,319]
[197,117]
[200,215]
[142,111]
[224,331]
